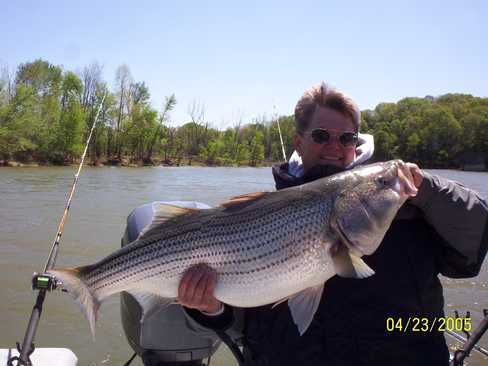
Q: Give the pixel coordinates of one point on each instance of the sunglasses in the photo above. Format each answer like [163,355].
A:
[323,136]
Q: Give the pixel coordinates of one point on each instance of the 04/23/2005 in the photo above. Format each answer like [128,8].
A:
[424,324]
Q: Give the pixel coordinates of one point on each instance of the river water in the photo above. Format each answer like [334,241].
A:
[32,202]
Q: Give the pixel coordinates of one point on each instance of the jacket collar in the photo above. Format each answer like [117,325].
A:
[283,178]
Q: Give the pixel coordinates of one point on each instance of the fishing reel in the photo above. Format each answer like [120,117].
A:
[44,281]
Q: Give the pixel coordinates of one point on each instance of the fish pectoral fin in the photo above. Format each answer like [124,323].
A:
[361,268]
[162,213]
[283,300]
[151,303]
[304,305]
[348,265]
[279,302]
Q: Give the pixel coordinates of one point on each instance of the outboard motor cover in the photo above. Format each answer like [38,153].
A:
[168,336]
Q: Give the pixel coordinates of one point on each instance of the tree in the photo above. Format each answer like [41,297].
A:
[255,145]
[21,125]
[7,86]
[197,129]
[169,104]
[123,82]
[69,130]
[140,126]
[91,78]
[439,136]
[46,83]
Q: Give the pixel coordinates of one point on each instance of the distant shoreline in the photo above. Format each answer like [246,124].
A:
[125,163]
[184,163]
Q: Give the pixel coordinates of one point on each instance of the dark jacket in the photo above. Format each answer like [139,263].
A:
[442,230]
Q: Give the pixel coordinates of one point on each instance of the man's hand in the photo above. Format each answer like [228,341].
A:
[416,173]
[411,175]
[196,289]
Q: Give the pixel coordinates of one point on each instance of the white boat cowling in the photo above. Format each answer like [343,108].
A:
[43,356]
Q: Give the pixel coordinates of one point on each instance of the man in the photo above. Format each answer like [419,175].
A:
[441,230]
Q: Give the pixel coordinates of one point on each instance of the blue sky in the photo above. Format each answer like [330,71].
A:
[241,58]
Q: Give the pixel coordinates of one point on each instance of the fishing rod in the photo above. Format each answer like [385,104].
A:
[460,338]
[281,137]
[45,282]
[470,342]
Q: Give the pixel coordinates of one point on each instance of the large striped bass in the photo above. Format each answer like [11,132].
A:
[265,247]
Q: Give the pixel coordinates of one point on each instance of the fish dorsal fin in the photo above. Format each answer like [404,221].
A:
[163,212]
[348,265]
[243,200]
[151,303]
[304,305]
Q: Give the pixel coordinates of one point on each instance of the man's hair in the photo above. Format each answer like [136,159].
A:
[324,96]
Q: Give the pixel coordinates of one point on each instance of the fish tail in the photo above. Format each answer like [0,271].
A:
[72,280]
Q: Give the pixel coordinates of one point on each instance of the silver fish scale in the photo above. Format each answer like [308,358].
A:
[298,256]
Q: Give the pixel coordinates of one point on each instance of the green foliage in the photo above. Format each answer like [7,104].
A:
[139,129]
[21,127]
[430,131]
[68,144]
[72,89]
[44,78]
[213,152]
[47,113]
[68,131]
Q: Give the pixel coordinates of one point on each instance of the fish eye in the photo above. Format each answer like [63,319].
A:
[382,182]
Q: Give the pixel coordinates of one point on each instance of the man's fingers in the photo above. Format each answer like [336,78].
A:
[188,283]
[209,301]
[416,173]
[200,287]
[184,285]
[406,176]
[196,288]
[407,172]
[208,297]
[212,281]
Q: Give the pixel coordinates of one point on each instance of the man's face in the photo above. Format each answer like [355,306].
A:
[331,153]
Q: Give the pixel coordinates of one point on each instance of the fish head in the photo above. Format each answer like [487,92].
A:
[364,212]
